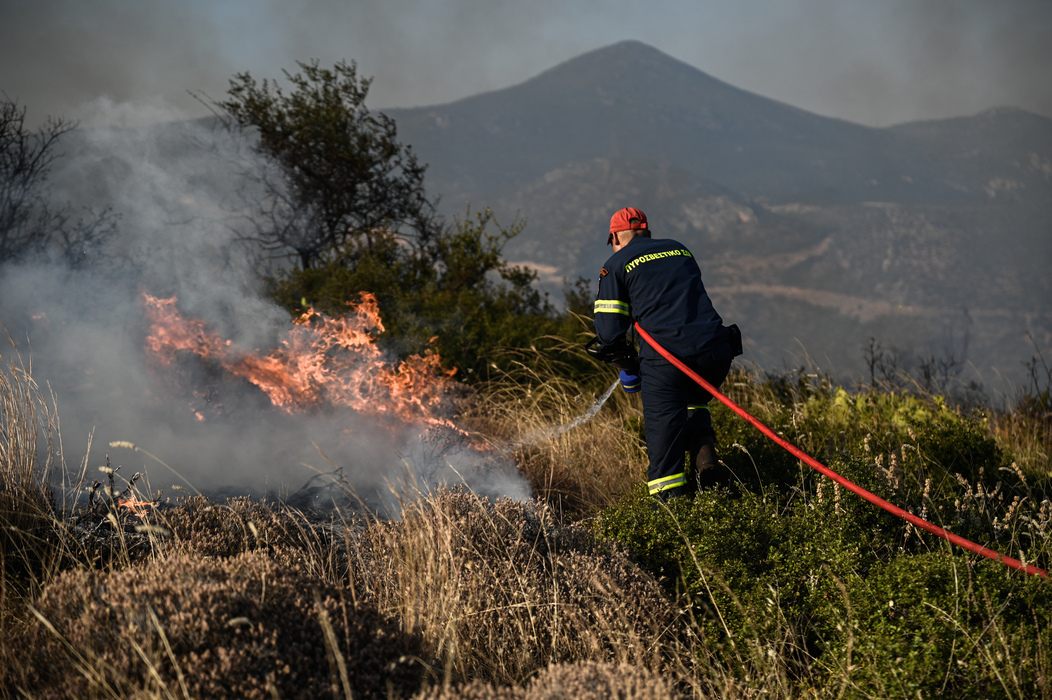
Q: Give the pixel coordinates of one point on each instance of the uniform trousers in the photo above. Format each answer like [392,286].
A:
[676,419]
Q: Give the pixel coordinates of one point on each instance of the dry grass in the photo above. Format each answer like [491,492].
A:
[1027,434]
[1026,430]
[498,591]
[580,469]
[215,599]
[244,600]
[28,435]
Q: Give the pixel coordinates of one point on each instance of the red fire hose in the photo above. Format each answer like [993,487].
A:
[872,498]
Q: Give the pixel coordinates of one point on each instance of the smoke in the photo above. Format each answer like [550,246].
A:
[183,224]
[890,62]
[873,63]
[69,54]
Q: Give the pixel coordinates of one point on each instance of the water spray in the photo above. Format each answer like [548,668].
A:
[556,430]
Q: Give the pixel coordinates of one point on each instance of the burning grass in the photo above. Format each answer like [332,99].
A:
[321,361]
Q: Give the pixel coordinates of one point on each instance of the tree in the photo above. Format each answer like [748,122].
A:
[345,201]
[29,225]
[342,177]
[455,294]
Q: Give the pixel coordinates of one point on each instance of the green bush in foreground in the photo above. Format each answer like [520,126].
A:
[780,561]
[942,625]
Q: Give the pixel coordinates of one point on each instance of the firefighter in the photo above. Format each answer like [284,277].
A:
[658,284]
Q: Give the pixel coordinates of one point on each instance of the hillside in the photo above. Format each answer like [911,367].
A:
[630,101]
[815,234]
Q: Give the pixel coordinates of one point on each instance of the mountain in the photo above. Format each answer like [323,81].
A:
[630,101]
[815,234]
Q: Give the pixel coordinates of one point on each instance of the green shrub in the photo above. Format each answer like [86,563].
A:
[936,625]
[783,567]
[454,295]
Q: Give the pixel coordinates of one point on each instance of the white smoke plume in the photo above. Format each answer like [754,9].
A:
[180,233]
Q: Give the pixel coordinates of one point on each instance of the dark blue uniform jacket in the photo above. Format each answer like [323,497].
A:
[657,282]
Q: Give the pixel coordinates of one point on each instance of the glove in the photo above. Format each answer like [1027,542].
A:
[619,354]
[631,383]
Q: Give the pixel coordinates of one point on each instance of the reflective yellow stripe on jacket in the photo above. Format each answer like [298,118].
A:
[610,306]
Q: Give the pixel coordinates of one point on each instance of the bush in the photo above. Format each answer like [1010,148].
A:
[585,680]
[794,573]
[318,544]
[202,527]
[589,680]
[454,295]
[936,625]
[242,627]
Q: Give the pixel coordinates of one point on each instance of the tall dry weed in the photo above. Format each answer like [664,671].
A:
[28,457]
[497,591]
[576,458]
[1026,430]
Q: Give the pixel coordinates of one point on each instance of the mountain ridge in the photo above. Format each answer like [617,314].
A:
[924,235]
[630,100]
[908,221]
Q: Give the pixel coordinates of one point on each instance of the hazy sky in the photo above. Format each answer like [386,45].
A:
[875,62]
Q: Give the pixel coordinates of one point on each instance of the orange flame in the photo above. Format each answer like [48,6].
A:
[321,361]
[137,507]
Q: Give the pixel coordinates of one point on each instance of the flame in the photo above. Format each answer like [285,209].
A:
[137,507]
[322,361]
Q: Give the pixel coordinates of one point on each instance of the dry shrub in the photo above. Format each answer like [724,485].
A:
[200,526]
[499,590]
[579,463]
[242,627]
[598,681]
[586,680]
[476,690]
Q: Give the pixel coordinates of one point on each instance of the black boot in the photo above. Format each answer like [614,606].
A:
[705,471]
